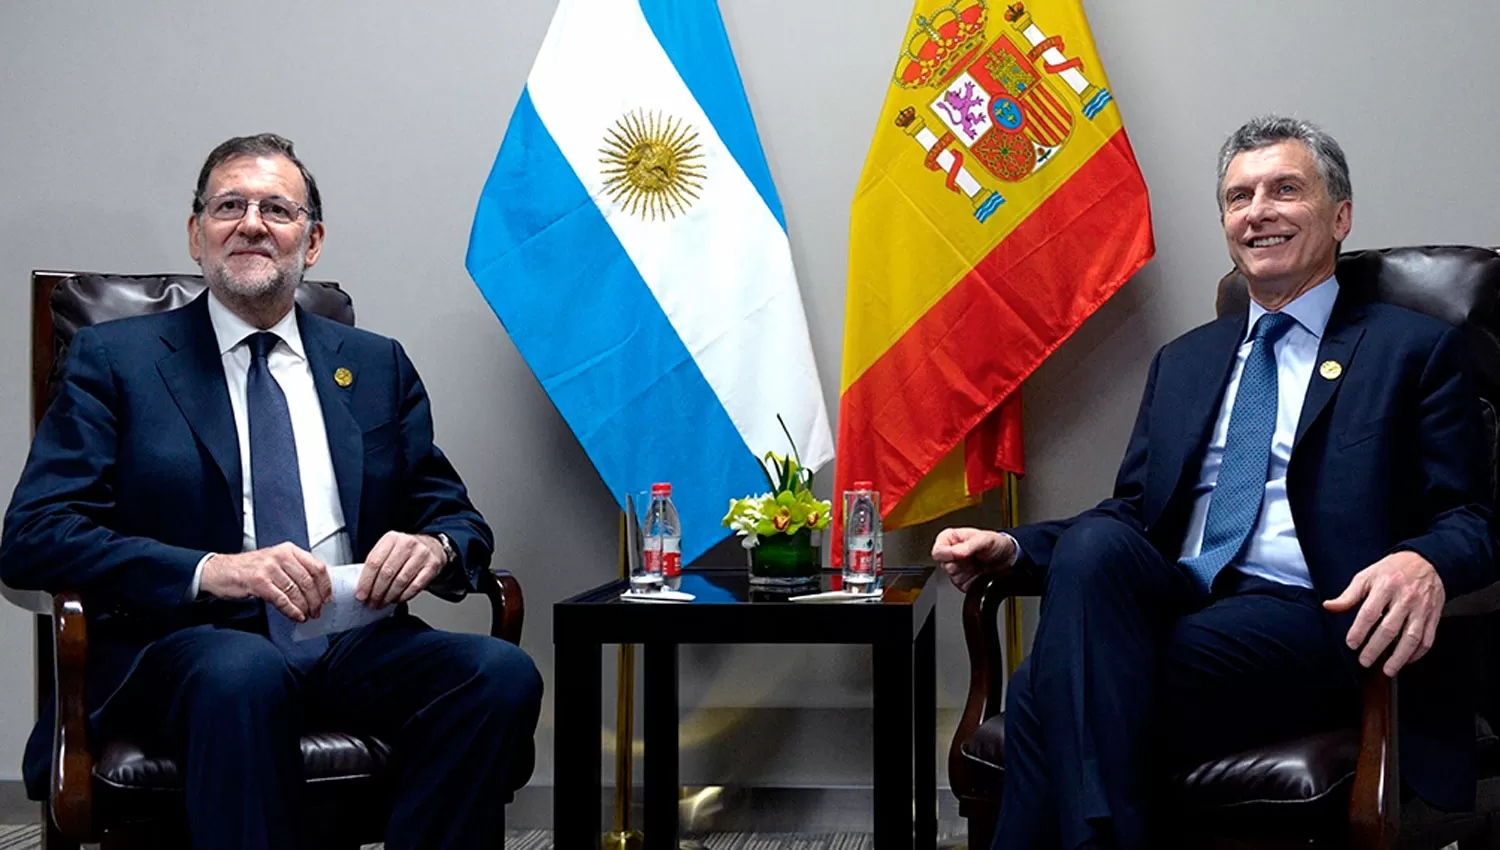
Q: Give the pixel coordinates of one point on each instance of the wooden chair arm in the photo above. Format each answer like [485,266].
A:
[986,659]
[72,763]
[507,604]
[1375,804]
[1486,600]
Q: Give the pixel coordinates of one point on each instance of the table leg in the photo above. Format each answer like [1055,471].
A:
[924,721]
[576,797]
[660,722]
[893,744]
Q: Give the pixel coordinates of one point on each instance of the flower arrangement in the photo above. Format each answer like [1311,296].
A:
[788,508]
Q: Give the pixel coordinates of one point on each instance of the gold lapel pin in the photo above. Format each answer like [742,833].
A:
[343,377]
[1330,370]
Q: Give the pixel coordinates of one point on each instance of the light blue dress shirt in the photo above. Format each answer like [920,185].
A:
[1272,551]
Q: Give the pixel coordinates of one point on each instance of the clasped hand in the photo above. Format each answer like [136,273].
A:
[290,579]
[398,568]
[966,552]
[1400,599]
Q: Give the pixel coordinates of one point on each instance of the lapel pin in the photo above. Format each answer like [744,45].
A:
[343,377]
[1330,369]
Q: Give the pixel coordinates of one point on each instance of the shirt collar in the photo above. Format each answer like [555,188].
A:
[232,330]
[1311,309]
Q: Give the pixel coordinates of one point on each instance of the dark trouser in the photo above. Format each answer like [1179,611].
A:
[225,702]
[1135,673]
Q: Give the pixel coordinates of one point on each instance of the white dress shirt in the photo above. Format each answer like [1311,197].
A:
[1272,551]
[288,364]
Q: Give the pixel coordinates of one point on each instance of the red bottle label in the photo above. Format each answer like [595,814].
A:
[666,559]
[861,556]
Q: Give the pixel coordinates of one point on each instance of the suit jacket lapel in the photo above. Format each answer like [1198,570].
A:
[1188,396]
[1340,339]
[193,372]
[345,439]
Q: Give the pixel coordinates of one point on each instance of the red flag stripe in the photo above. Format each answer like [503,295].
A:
[946,373]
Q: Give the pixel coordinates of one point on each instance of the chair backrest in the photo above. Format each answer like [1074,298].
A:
[1459,284]
[63,302]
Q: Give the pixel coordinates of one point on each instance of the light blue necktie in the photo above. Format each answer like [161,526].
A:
[1234,505]
[276,486]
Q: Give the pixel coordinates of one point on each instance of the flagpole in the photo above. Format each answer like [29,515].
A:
[1014,650]
[623,837]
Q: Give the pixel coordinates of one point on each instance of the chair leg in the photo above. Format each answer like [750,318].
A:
[52,838]
[981,830]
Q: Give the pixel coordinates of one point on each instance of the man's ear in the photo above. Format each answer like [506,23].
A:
[314,244]
[195,233]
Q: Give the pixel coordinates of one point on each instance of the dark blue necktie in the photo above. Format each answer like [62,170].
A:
[1235,504]
[276,486]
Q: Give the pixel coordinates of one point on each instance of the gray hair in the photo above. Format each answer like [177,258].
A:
[262,144]
[1267,130]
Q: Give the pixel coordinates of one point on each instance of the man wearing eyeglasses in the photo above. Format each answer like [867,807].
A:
[198,474]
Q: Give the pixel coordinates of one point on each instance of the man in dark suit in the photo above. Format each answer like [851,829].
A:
[1296,502]
[195,479]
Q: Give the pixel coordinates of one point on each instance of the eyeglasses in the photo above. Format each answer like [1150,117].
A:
[274,210]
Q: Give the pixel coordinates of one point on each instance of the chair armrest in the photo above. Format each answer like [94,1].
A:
[72,763]
[507,604]
[1485,600]
[1375,804]
[35,601]
[986,660]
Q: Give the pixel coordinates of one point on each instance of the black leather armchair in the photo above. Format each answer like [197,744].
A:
[115,792]
[1339,789]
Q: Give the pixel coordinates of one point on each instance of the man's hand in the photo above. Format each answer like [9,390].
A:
[284,575]
[967,552]
[1405,588]
[398,568]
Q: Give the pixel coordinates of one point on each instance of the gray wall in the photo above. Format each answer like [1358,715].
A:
[106,110]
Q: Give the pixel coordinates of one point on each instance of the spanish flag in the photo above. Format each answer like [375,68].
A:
[1000,205]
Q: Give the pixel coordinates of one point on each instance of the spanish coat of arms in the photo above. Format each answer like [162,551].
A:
[993,102]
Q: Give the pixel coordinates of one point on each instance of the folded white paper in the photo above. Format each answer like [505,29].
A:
[657,596]
[837,596]
[343,612]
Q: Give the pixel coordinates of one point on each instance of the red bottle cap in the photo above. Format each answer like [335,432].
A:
[661,488]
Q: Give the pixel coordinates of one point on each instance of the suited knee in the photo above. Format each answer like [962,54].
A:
[1095,553]
[245,674]
[506,679]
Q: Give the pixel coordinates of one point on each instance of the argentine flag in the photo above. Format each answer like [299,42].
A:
[631,241]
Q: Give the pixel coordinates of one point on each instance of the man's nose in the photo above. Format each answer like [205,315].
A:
[1261,207]
[251,222]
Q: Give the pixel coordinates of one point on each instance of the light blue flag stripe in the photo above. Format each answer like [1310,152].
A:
[579,312]
[691,32]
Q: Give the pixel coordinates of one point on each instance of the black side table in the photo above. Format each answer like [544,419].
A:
[899,629]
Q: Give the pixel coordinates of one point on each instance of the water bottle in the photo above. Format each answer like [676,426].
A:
[863,538]
[661,541]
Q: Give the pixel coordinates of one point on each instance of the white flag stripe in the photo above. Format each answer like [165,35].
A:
[722,271]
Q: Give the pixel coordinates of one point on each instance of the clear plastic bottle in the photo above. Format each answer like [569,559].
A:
[661,542]
[863,538]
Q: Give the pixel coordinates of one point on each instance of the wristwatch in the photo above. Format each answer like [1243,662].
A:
[450,552]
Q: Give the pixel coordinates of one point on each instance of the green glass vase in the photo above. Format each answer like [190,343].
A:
[786,560]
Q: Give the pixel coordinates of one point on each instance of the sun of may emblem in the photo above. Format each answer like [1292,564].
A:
[653,165]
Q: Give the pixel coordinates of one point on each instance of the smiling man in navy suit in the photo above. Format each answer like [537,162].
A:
[1298,499]
[197,475]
